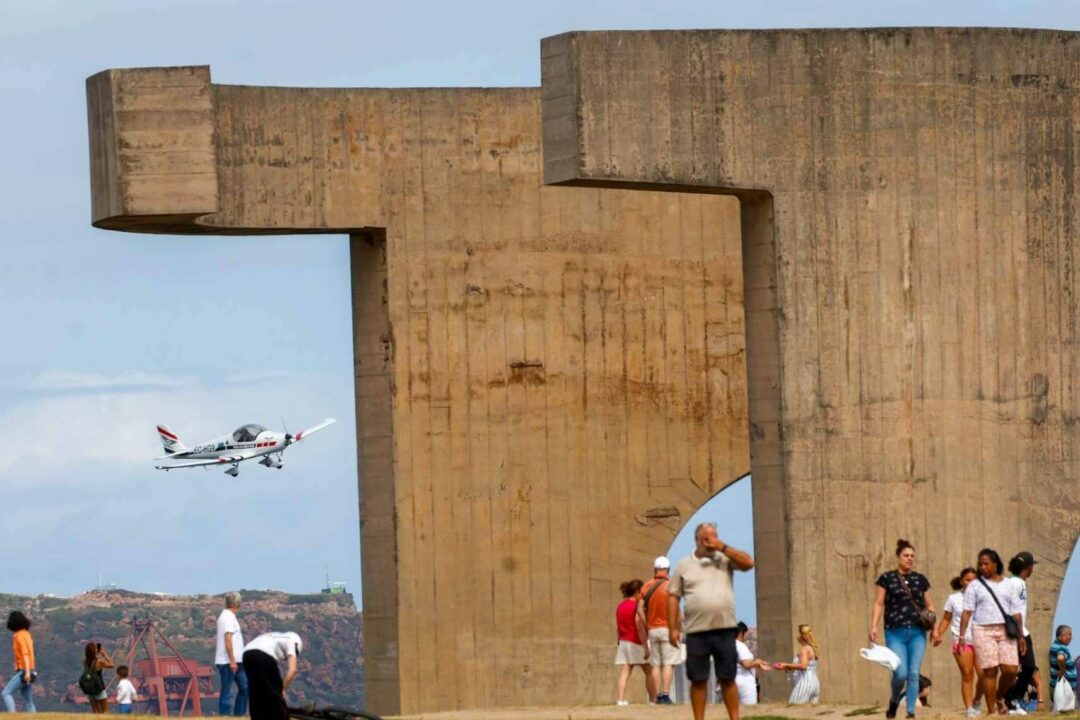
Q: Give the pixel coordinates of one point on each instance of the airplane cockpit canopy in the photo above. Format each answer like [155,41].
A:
[247,433]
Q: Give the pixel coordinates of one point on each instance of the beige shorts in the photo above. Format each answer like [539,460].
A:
[629,653]
[661,651]
[994,647]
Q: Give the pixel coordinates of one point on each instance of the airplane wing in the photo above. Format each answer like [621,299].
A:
[312,430]
[172,456]
[198,463]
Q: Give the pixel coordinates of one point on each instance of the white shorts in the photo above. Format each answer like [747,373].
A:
[629,653]
[747,692]
[661,651]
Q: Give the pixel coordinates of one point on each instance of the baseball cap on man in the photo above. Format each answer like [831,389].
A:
[661,563]
[1027,558]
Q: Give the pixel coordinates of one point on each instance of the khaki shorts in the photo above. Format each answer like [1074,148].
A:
[993,647]
[629,653]
[661,651]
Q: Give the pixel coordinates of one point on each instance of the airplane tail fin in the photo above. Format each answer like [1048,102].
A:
[170,441]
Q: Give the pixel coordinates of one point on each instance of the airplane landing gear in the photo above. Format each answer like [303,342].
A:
[234,470]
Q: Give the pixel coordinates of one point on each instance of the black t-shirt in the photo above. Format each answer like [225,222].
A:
[899,610]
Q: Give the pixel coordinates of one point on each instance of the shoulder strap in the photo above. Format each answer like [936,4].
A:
[653,589]
[1004,615]
[903,584]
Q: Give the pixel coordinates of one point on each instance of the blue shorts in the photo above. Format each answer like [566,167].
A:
[125,709]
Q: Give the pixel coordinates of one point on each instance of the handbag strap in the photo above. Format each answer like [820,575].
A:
[652,590]
[911,595]
[1004,616]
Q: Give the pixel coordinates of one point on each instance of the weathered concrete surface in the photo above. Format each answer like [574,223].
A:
[924,293]
[549,381]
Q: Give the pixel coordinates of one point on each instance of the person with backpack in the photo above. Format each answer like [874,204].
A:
[91,681]
[23,646]
[663,657]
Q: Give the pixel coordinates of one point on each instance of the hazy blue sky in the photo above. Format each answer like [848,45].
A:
[107,334]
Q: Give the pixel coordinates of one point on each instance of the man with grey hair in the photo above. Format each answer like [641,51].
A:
[704,581]
[230,649]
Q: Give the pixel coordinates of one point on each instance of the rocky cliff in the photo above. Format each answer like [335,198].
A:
[331,666]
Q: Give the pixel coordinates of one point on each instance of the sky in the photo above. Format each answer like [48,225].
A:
[107,334]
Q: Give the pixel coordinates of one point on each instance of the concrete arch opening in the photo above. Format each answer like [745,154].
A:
[731,510]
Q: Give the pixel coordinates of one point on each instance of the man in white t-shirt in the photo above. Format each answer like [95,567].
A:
[230,650]
[1021,566]
[261,660]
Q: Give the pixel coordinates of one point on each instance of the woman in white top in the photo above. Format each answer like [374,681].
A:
[807,690]
[963,650]
[745,679]
[987,601]
[266,689]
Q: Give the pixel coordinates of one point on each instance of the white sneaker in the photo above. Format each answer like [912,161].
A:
[1017,711]
[972,712]
[623,703]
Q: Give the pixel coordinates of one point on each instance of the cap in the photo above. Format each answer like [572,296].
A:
[661,563]
[1027,558]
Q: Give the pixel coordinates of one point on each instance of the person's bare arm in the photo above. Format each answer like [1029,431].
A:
[229,651]
[674,634]
[927,602]
[965,619]
[875,615]
[290,674]
[946,621]
[1022,641]
[740,560]
[642,631]
[1061,665]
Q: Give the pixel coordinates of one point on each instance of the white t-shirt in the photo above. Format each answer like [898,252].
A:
[955,605]
[227,623]
[984,611]
[278,645]
[744,675]
[125,692]
[1021,593]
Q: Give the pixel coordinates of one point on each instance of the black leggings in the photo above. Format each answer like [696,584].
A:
[265,699]
[1023,679]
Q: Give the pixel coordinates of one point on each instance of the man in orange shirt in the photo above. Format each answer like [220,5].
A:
[663,656]
[23,646]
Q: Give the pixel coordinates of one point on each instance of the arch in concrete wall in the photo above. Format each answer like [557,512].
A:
[924,310]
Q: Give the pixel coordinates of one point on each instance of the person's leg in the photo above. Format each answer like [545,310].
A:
[667,673]
[965,661]
[620,683]
[989,688]
[1007,681]
[698,695]
[654,672]
[240,708]
[1023,678]
[730,694]
[650,684]
[28,697]
[895,640]
[225,675]
[9,692]
[916,643]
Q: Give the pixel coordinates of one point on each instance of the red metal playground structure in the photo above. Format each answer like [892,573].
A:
[163,682]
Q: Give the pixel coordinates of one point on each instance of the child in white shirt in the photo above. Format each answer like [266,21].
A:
[125,691]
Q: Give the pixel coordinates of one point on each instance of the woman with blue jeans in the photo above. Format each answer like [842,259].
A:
[901,594]
[21,680]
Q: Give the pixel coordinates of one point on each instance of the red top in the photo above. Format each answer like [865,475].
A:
[624,619]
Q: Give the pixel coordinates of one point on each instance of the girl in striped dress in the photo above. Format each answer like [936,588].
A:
[807,689]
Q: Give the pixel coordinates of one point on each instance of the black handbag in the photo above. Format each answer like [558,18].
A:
[1012,628]
[927,618]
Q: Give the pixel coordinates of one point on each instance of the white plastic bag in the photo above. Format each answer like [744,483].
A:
[882,656]
[1064,697]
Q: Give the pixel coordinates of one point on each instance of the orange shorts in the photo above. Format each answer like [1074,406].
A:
[993,647]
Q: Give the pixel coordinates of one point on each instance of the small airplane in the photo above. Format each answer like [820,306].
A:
[247,442]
